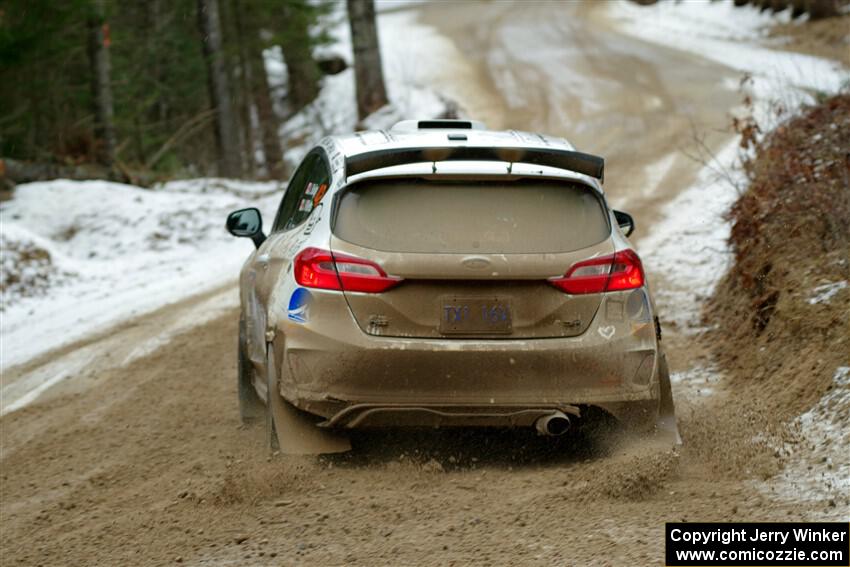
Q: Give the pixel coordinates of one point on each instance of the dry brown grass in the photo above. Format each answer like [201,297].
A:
[790,234]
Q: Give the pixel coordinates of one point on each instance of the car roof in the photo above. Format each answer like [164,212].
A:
[441,133]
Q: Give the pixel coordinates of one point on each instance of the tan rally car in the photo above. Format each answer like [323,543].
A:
[439,274]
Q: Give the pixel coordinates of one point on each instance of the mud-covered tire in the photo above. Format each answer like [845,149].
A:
[251,407]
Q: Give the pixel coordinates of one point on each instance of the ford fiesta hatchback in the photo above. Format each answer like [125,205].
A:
[439,274]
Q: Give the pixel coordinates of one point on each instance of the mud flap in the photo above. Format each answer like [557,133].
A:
[290,430]
[666,426]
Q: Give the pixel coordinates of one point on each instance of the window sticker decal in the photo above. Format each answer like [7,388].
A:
[306,205]
[323,188]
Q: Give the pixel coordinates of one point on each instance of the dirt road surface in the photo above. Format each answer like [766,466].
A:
[136,456]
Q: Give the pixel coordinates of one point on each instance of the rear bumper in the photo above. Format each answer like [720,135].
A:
[330,368]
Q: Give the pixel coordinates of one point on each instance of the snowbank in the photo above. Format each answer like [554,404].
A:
[734,37]
[105,251]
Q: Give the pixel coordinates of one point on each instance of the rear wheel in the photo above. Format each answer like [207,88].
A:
[251,407]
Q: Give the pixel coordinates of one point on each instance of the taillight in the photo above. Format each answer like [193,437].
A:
[613,272]
[626,271]
[326,270]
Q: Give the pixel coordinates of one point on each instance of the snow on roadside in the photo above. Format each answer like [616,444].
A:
[734,37]
[730,35]
[118,250]
[818,466]
[690,244]
[699,380]
[220,186]
[721,21]
[824,293]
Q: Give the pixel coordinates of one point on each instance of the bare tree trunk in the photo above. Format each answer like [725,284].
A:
[159,112]
[245,38]
[227,140]
[249,160]
[256,92]
[269,122]
[98,31]
[296,45]
[369,75]
[819,9]
[798,8]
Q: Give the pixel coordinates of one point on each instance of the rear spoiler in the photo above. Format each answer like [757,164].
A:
[587,164]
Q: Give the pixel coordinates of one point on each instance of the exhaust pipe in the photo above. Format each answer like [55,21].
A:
[553,425]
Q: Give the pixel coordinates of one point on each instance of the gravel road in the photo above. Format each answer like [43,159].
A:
[137,456]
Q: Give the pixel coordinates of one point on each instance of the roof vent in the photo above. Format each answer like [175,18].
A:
[414,125]
[445,124]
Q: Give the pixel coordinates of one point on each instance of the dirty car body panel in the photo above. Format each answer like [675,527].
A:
[449,292]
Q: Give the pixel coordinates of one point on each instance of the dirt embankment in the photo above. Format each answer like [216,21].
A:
[782,313]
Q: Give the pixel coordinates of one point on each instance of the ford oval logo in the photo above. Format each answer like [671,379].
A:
[476,263]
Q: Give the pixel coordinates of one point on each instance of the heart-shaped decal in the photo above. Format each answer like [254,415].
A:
[607,332]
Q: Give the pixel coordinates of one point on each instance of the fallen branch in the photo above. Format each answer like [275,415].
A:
[188,128]
[16,171]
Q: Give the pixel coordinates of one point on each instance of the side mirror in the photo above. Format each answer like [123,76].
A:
[626,222]
[247,223]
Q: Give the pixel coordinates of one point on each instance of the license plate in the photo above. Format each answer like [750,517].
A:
[475,316]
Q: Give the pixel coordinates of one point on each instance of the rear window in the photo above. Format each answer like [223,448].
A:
[523,216]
